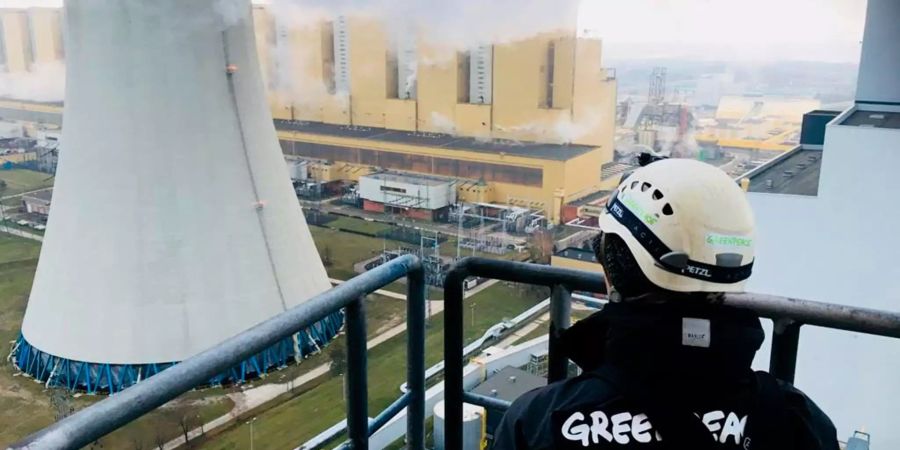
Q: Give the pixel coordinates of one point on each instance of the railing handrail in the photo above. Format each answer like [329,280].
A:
[788,315]
[101,418]
[95,421]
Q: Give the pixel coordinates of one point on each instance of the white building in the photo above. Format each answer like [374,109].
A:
[416,196]
[840,245]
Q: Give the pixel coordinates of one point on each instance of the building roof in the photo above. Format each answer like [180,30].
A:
[577,253]
[796,172]
[554,152]
[509,383]
[408,178]
[44,195]
[874,119]
[759,107]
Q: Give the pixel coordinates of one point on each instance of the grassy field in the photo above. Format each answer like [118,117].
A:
[22,180]
[359,225]
[25,405]
[289,424]
[18,397]
[347,249]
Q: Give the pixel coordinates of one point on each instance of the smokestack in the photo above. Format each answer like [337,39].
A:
[174,224]
[879,63]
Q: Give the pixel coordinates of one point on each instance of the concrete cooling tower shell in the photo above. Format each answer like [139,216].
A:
[174,224]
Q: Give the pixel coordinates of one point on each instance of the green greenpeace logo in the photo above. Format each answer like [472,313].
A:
[728,241]
[638,211]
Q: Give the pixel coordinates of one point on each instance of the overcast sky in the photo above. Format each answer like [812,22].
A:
[819,30]
[825,30]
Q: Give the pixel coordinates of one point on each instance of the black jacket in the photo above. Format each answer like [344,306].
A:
[654,380]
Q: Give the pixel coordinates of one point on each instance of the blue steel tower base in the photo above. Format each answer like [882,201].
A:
[93,377]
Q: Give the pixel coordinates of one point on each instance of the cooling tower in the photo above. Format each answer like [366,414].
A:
[174,224]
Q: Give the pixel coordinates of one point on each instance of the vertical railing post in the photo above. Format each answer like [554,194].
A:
[785,340]
[560,319]
[415,353]
[453,359]
[357,390]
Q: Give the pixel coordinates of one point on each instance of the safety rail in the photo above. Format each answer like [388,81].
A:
[95,421]
[787,314]
[91,423]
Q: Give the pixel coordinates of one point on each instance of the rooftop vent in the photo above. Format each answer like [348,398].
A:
[788,173]
[769,184]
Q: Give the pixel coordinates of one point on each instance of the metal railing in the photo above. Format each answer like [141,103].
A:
[787,314]
[97,420]
[93,422]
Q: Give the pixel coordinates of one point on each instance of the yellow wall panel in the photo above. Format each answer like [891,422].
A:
[367,72]
[46,32]
[563,72]
[437,89]
[17,43]
[594,102]
[400,114]
[336,110]
[571,263]
[473,120]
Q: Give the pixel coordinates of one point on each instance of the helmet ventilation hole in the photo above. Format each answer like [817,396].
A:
[657,195]
[645,186]
[634,184]
[667,210]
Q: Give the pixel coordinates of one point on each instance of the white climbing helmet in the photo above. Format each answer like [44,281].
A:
[688,225]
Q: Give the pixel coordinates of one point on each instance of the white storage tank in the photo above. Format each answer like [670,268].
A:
[473,426]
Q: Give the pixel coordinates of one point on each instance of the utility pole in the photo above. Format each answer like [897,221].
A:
[250,422]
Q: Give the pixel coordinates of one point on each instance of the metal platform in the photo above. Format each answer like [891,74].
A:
[94,378]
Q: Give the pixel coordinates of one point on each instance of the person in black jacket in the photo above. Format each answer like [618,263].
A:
[665,364]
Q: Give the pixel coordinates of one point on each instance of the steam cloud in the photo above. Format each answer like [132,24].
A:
[46,82]
[459,25]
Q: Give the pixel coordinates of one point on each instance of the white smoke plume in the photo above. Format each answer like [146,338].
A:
[443,123]
[452,24]
[45,82]
[461,24]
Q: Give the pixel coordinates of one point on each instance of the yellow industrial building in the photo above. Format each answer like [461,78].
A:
[29,37]
[526,123]
[757,123]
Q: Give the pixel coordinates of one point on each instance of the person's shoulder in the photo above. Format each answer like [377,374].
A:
[815,428]
[569,393]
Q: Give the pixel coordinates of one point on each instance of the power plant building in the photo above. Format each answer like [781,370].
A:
[530,122]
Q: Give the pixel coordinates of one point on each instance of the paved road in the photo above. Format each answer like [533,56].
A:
[24,193]
[17,232]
